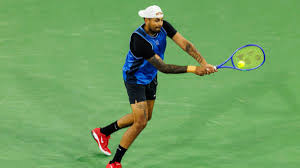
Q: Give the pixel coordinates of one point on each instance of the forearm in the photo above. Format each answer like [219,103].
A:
[192,51]
[158,63]
[173,69]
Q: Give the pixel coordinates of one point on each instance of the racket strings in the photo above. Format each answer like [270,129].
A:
[248,57]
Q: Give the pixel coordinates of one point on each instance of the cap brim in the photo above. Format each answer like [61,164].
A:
[142,13]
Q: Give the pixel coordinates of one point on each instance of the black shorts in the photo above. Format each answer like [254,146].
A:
[139,93]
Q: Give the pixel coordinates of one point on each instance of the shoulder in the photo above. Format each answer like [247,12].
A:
[138,39]
[171,31]
[166,23]
[140,47]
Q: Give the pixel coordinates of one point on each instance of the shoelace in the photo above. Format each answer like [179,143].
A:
[118,164]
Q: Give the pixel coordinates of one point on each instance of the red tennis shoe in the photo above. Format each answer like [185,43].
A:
[114,165]
[102,140]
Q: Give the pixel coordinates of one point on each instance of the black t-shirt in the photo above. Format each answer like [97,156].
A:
[141,48]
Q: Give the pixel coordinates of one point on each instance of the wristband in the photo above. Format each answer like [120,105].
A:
[191,69]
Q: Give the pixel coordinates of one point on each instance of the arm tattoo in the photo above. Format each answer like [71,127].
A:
[191,50]
[188,47]
[158,63]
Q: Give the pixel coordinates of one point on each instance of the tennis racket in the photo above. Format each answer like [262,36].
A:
[246,58]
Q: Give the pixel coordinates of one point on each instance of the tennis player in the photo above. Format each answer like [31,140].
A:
[145,57]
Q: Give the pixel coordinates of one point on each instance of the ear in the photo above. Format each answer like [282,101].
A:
[146,20]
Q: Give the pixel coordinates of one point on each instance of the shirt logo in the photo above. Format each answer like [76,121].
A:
[157,42]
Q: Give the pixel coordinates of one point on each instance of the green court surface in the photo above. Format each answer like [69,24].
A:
[61,76]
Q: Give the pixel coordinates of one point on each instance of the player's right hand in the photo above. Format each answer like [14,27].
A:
[201,71]
[211,69]
[204,70]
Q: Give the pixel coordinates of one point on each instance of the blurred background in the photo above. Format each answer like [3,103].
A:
[61,76]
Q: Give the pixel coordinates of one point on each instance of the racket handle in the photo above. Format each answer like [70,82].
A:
[217,67]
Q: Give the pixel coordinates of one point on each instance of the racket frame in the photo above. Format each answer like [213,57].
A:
[234,67]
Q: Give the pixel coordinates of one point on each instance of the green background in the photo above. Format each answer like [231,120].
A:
[60,77]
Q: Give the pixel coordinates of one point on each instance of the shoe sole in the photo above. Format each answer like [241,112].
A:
[94,135]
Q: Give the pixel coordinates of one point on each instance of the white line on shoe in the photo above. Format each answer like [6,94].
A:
[96,137]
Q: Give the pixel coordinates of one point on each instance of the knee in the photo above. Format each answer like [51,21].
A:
[140,124]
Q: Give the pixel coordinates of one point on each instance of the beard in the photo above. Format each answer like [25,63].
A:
[155,30]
